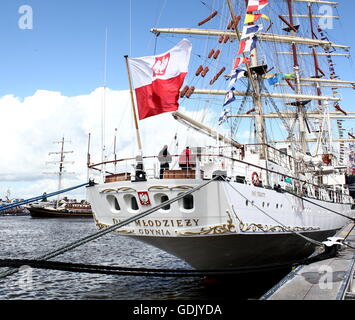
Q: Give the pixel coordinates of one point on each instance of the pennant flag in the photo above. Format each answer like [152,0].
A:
[250,31]
[274,79]
[223,116]
[158,79]
[288,76]
[268,76]
[255,5]
[239,61]
[229,97]
[250,17]
[235,75]
[247,45]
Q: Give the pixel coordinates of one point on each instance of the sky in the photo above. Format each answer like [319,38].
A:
[52,68]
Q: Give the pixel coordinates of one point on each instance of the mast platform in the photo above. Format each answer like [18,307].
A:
[331,279]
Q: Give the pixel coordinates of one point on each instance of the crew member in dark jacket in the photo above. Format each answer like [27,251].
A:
[164,159]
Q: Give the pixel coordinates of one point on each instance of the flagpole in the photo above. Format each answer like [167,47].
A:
[139,142]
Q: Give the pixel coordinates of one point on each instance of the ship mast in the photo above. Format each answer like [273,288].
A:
[300,140]
[300,107]
[61,162]
[260,123]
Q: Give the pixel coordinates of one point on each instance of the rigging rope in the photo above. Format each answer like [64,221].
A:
[285,227]
[102,232]
[44,196]
[316,204]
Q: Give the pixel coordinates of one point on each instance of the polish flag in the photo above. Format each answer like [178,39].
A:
[255,5]
[158,79]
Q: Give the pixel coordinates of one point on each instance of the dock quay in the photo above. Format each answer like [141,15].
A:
[330,279]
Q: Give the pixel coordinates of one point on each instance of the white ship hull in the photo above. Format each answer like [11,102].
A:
[220,227]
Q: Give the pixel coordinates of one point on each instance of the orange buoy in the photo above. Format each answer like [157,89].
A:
[204,72]
[217,76]
[226,38]
[216,54]
[255,179]
[183,91]
[211,53]
[190,92]
[199,70]
[214,13]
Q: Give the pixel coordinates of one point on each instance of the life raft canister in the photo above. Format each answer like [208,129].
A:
[255,179]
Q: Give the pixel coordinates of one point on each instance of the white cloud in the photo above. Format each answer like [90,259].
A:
[31,125]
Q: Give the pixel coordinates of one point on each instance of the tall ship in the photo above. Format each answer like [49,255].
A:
[60,208]
[261,67]
[16,211]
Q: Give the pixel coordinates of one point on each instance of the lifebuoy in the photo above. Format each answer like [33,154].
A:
[255,179]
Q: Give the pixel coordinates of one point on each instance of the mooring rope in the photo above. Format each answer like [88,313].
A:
[158,272]
[102,232]
[43,196]
[265,213]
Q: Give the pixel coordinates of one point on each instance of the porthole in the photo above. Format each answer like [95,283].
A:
[187,202]
[113,203]
[246,202]
[131,202]
[159,198]
[134,203]
[277,205]
[164,199]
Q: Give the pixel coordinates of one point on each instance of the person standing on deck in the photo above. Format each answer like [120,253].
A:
[164,158]
[186,159]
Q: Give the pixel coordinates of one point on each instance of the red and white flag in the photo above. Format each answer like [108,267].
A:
[255,5]
[239,61]
[158,79]
[247,45]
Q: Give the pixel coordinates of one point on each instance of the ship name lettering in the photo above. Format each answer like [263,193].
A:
[258,194]
[153,232]
[179,223]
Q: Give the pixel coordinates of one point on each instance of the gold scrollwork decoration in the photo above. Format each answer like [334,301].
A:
[254,227]
[158,187]
[228,227]
[183,187]
[101,225]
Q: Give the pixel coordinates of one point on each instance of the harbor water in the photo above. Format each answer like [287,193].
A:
[28,238]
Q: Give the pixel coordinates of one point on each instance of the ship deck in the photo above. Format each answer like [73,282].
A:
[331,279]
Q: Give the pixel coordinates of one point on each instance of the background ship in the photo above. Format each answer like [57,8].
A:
[16,211]
[61,208]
